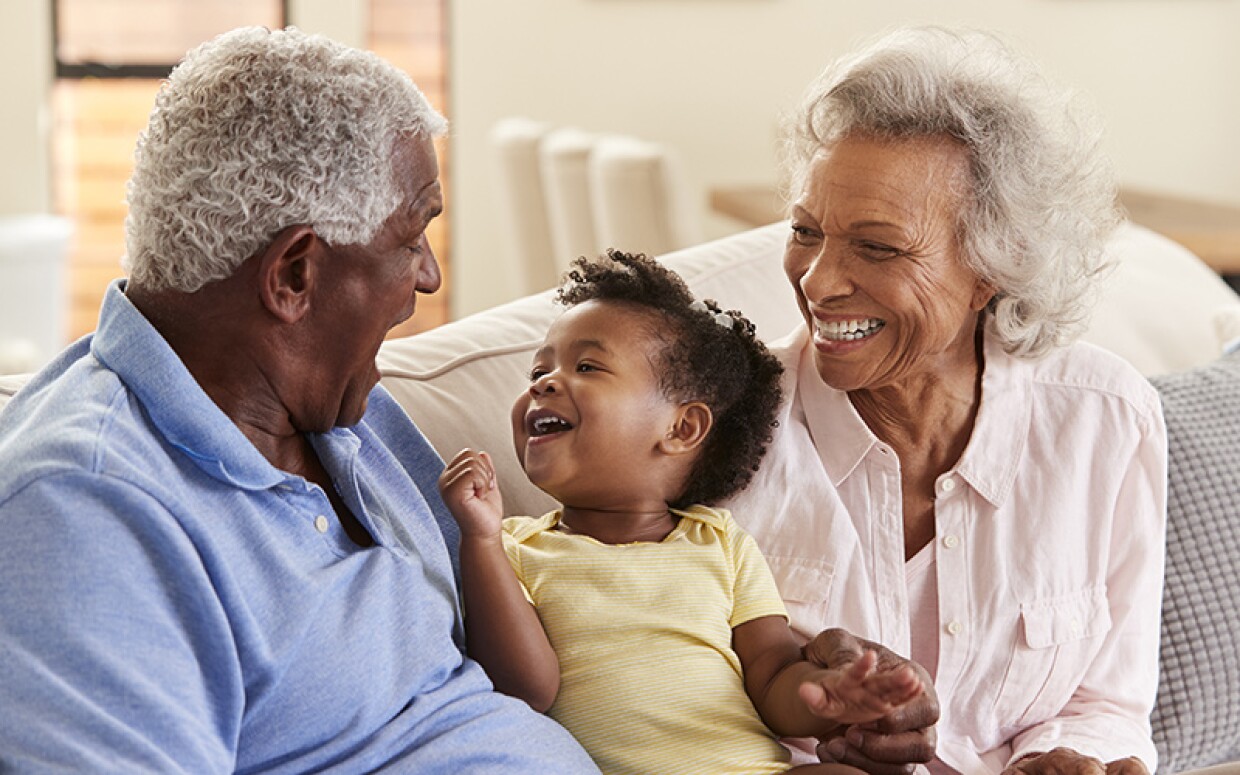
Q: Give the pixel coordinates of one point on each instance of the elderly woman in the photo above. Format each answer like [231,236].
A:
[952,476]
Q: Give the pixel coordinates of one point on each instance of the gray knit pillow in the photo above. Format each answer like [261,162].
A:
[1197,716]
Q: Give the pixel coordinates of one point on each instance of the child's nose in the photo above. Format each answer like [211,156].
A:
[544,384]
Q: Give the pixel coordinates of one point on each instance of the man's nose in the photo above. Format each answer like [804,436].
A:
[429,276]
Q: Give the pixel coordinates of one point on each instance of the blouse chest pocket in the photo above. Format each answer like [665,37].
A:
[805,586]
[1057,639]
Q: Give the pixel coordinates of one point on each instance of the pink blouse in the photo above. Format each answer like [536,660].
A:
[1049,555]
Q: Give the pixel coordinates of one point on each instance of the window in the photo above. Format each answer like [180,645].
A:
[110,56]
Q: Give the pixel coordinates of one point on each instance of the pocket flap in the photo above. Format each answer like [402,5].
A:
[1055,621]
[800,580]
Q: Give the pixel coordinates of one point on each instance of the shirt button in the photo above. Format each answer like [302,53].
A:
[948,485]
[951,542]
[954,627]
[320,523]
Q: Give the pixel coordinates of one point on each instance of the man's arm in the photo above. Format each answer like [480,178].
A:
[502,629]
[114,651]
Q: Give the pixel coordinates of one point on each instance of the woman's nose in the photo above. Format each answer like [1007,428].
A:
[827,277]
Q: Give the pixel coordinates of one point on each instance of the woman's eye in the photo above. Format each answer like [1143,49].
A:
[803,234]
[877,251]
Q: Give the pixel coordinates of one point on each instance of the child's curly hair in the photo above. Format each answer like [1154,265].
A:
[709,355]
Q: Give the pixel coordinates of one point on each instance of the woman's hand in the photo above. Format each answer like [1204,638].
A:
[894,744]
[860,692]
[469,489]
[1065,761]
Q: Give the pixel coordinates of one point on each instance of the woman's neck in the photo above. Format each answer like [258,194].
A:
[620,526]
[930,417]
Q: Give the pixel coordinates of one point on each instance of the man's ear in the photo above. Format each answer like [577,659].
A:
[288,271]
[689,429]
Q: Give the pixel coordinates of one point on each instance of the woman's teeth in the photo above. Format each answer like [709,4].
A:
[848,330]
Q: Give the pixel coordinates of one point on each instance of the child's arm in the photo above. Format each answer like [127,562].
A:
[502,629]
[798,699]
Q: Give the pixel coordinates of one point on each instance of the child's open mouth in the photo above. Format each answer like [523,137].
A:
[543,422]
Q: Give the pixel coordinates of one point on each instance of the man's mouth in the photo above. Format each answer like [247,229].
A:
[848,330]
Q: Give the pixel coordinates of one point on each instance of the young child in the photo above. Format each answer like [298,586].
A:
[646,622]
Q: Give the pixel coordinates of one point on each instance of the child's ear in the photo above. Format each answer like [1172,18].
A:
[689,429]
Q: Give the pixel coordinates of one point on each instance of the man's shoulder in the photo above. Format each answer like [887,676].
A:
[387,429]
[80,419]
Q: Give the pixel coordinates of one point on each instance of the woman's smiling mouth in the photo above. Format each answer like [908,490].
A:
[847,330]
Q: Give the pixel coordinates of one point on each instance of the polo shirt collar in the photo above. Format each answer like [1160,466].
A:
[127,344]
[990,461]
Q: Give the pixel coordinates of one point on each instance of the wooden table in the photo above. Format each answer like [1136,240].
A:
[1209,230]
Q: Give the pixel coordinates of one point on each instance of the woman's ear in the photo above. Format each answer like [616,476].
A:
[288,272]
[983,292]
[689,429]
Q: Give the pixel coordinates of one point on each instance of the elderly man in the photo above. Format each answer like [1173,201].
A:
[223,545]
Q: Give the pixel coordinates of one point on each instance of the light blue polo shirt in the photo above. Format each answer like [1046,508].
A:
[170,602]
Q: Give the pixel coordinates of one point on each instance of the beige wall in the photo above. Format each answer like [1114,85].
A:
[25,78]
[711,76]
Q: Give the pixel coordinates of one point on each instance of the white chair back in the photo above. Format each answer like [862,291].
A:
[565,162]
[515,142]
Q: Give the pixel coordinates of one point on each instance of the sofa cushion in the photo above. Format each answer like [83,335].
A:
[458,382]
[1162,308]
[1197,718]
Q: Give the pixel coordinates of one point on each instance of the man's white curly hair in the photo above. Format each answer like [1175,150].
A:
[258,130]
[1042,199]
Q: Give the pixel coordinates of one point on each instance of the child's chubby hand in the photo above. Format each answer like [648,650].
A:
[471,493]
[857,693]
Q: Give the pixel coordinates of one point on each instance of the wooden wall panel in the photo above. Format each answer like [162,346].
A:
[96,122]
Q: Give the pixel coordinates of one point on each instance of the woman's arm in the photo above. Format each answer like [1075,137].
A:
[502,629]
[799,699]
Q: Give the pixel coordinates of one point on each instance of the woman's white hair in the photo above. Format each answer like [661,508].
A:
[257,130]
[1042,200]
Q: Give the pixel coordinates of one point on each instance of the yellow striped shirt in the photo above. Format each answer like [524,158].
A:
[649,681]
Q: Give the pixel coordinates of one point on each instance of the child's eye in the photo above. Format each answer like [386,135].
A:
[537,372]
[584,367]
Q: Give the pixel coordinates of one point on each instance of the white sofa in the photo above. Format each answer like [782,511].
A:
[1162,309]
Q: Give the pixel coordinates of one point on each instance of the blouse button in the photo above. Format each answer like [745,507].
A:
[954,627]
[951,542]
[320,523]
[948,485]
